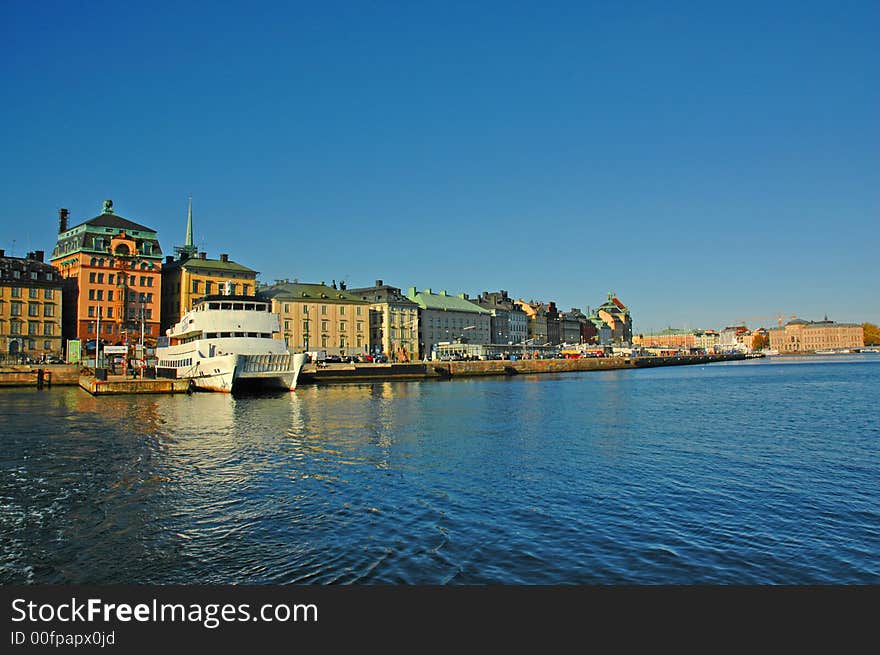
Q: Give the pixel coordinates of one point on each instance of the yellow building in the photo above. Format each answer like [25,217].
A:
[809,336]
[317,317]
[191,275]
[30,308]
[394,322]
[186,280]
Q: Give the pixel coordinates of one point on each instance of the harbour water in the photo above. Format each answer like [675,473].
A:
[763,471]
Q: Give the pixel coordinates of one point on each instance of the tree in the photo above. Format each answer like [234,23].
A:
[872,334]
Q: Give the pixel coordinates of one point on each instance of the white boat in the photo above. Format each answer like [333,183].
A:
[225,343]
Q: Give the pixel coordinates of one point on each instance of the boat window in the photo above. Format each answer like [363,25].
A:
[214,305]
[211,335]
[253,334]
[238,305]
[265,335]
[261,308]
[249,307]
[224,334]
[238,334]
[225,305]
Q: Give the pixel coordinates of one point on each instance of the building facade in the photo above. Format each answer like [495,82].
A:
[112,280]
[186,280]
[536,321]
[616,316]
[446,319]
[317,317]
[394,321]
[571,326]
[810,336]
[30,308]
[508,323]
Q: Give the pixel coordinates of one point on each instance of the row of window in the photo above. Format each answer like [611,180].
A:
[31,344]
[325,326]
[15,327]
[210,287]
[32,275]
[133,296]
[226,335]
[305,309]
[33,292]
[15,309]
[113,328]
[132,313]
[175,363]
[101,244]
[119,279]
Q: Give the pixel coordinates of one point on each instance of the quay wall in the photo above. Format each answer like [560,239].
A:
[340,373]
[28,375]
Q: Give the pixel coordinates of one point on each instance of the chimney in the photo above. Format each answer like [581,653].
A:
[62,220]
[169,259]
[38,255]
[203,255]
[378,283]
[224,257]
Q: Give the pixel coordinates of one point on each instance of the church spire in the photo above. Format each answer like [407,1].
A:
[188,249]
[189,225]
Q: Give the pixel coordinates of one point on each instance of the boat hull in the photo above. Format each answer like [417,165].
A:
[235,373]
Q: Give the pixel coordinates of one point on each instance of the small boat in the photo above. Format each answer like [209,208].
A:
[225,343]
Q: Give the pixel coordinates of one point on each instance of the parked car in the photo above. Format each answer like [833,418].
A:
[380,359]
[333,359]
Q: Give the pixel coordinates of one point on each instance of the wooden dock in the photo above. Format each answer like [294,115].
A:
[117,385]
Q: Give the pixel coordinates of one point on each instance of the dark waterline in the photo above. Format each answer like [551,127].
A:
[748,472]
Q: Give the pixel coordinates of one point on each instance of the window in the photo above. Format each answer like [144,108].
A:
[92,276]
[15,327]
[15,309]
[357,311]
[323,310]
[323,341]
[100,278]
[110,294]
[91,294]
[305,309]
[91,311]
[48,294]
[246,289]
[360,341]
[33,275]
[195,286]
[33,292]
[48,310]
[342,326]
[148,314]
[149,281]
[109,312]
[305,327]
[325,325]
[360,326]
[91,328]
[48,329]
[33,327]
[286,308]
[286,325]
[342,310]
[16,274]
[47,345]
[110,278]
[33,309]
[342,341]
[100,294]
[143,281]
[131,280]
[209,286]
[16,291]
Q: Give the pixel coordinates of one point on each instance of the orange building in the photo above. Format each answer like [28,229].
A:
[111,272]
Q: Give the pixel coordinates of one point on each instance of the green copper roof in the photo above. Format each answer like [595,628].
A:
[442,301]
[194,263]
[298,291]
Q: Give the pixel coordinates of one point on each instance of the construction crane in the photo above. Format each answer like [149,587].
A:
[780,317]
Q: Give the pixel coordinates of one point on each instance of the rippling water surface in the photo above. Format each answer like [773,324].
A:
[750,472]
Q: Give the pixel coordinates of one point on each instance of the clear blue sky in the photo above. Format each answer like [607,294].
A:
[708,162]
